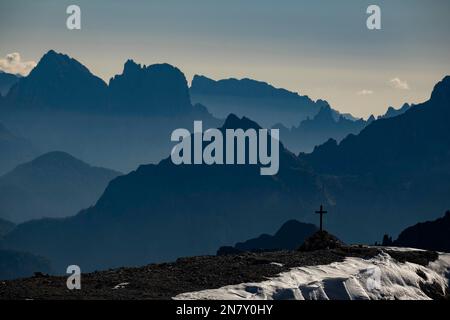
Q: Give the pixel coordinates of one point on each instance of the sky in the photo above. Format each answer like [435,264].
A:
[319,48]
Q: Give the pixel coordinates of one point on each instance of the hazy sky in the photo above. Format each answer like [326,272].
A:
[320,48]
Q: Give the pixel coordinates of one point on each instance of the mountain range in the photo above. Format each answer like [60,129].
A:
[161,212]
[61,105]
[392,174]
[52,185]
[257,100]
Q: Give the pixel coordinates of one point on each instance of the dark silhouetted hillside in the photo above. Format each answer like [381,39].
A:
[289,237]
[431,235]
[7,80]
[52,185]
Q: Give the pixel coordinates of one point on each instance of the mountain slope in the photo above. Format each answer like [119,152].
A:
[7,80]
[52,185]
[289,237]
[431,235]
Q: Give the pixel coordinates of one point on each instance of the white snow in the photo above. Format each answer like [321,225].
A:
[381,277]
[121,285]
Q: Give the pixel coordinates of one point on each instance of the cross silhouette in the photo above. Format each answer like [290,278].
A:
[321,212]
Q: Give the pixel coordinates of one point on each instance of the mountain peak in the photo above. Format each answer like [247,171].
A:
[441,91]
[233,122]
[131,66]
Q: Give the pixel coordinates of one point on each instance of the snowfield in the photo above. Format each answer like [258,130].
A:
[381,277]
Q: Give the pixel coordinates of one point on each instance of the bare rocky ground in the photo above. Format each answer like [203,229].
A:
[166,280]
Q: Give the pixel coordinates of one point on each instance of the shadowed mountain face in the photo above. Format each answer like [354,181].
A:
[53,185]
[13,150]
[58,82]
[289,237]
[431,235]
[254,99]
[318,130]
[161,212]
[7,80]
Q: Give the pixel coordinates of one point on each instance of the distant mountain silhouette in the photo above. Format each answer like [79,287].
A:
[5,227]
[58,82]
[14,264]
[257,100]
[318,130]
[7,80]
[392,112]
[52,185]
[289,237]
[13,150]
[159,89]
[431,235]
[161,212]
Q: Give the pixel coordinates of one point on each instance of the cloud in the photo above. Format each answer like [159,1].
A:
[399,84]
[13,63]
[364,92]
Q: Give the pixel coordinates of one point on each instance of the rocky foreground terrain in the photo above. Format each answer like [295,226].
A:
[167,280]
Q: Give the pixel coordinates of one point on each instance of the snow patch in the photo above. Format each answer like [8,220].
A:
[121,285]
[381,277]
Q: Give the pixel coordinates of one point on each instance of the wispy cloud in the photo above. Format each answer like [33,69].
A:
[399,84]
[13,63]
[364,92]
